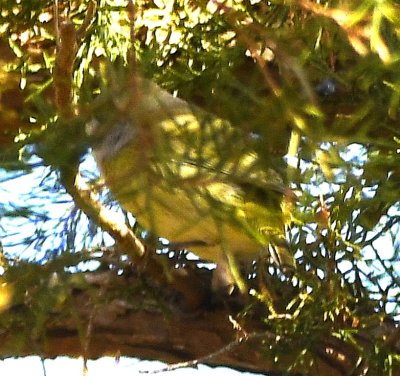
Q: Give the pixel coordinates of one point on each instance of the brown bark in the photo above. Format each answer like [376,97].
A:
[94,322]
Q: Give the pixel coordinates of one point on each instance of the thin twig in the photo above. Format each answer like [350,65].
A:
[56,23]
[73,182]
[90,13]
[132,20]
[107,219]
[43,367]
[66,54]
[229,347]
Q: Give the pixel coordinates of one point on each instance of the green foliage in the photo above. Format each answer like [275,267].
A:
[260,66]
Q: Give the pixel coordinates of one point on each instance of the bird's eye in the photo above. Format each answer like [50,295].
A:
[326,87]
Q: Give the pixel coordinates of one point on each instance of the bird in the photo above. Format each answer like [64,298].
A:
[192,178]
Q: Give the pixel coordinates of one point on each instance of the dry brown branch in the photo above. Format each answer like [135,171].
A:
[210,357]
[90,13]
[75,185]
[136,326]
[77,188]
[86,200]
[84,197]
[66,54]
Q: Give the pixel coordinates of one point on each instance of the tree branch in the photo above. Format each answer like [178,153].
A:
[85,198]
[66,54]
[223,350]
[140,326]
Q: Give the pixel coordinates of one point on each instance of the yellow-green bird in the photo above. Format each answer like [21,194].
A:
[191,178]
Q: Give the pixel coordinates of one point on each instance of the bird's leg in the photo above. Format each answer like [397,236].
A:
[234,270]
[222,278]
